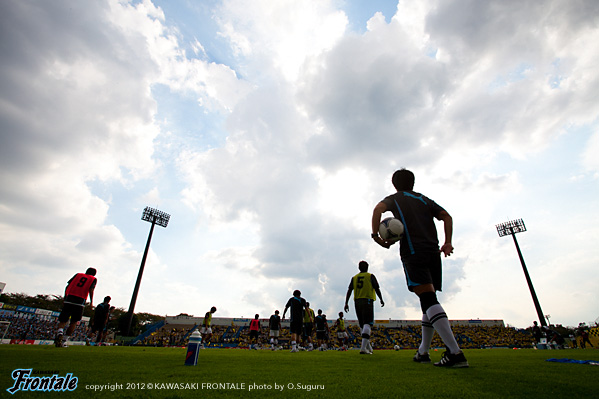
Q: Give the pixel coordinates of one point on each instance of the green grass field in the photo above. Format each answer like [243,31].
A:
[136,372]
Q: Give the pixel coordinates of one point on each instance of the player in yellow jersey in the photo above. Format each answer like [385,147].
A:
[365,288]
[206,329]
[308,327]
[342,336]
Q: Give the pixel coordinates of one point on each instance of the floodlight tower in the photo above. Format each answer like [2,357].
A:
[511,228]
[155,217]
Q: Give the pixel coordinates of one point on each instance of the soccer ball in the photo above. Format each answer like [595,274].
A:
[396,347]
[391,229]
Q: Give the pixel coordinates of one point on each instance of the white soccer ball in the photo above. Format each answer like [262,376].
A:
[391,229]
[396,347]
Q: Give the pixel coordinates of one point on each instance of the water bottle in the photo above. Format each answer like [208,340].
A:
[193,348]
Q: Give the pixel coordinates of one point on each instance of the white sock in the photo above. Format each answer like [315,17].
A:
[365,341]
[427,335]
[440,322]
[364,347]
[366,330]
[293,345]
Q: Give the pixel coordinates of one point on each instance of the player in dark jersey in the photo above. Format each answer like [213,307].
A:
[297,305]
[99,322]
[78,288]
[554,339]
[274,325]
[365,288]
[105,332]
[584,338]
[420,254]
[322,328]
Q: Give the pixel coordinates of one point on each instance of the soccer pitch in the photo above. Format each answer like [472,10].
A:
[145,372]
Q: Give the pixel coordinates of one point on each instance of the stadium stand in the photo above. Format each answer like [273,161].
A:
[23,325]
[489,335]
[151,329]
[27,328]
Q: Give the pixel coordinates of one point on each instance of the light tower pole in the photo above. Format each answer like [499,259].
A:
[155,217]
[511,228]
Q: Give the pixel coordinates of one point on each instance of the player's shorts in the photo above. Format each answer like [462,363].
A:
[321,335]
[98,327]
[206,330]
[273,333]
[254,334]
[308,328]
[342,334]
[423,268]
[295,327]
[364,311]
[72,309]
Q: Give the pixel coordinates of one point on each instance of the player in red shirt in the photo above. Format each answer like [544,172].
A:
[78,288]
[254,332]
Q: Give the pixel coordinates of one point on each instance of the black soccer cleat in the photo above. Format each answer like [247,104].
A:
[418,358]
[455,361]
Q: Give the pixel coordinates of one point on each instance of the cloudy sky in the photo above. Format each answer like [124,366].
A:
[269,131]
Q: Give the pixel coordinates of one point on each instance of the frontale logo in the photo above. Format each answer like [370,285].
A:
[54,383]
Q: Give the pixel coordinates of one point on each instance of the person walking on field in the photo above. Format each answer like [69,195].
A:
[99,323]
[78,288]
[322,329]
[274,324]
[298,305]
[420,255]
[308,327]
[255,332]
[365,288]
[342,336]
[206,327]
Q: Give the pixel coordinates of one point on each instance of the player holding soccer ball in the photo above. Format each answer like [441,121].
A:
[420,254]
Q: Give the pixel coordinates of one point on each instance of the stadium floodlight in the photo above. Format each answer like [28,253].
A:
[155,217]
[511,228]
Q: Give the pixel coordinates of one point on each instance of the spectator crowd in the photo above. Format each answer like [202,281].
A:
[408,337]
[24,326]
